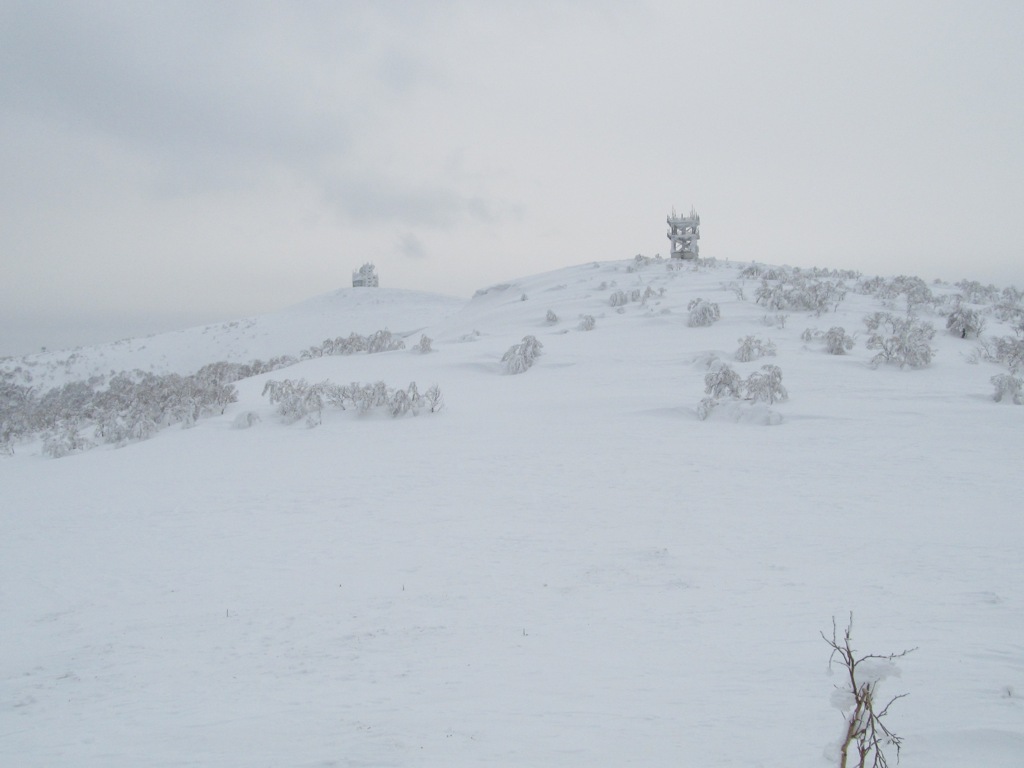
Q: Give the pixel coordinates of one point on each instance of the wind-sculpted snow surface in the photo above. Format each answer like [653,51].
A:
[563,568]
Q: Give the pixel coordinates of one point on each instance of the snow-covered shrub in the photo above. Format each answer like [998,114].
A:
[1008,387]
[722,381]
[63,442]
[752,348]
[587,323]
[64,439]
[383,341]
[835,339]
[551,318]
[400,403]
[775,321]
[434,399]
[765,386]
[723,384]
[618,298]
[760,271]
[423,347]
[649,293]
[245,420]
[963,322]
[520,357]
[640,261]
[297,399]
[901,340]
[702,313]
[17,410]
[837,342]
[705,407]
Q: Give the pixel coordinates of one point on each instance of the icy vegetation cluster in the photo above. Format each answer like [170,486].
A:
[124,408]
[131,406]
[835,339]
[301,400]
[901,336]
[117,408]
[723,384]
[796,291]
[620,298]
[379,341]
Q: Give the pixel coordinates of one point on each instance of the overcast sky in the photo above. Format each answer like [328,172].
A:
[169,164]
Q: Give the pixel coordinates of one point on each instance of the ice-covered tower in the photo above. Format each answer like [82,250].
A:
[365,277]
[683,233]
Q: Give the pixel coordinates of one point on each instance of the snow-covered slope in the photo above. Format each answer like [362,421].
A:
[287,332]
[566,567]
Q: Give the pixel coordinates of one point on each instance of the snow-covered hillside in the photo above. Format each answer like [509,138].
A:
[565,567]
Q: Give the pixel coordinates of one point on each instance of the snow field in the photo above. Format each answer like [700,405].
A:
[564,567]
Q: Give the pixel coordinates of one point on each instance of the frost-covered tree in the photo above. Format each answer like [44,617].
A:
[551,318]
[913,289]
[963,322]
[974,292]
[1002,350]
[795,291]
[434,399]
[520,357]
[587,323]
[901,340]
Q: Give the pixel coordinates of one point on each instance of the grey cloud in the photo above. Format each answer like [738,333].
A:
[205,85]
[411,246]
[380,200]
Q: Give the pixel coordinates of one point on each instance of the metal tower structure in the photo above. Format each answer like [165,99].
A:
[683,234]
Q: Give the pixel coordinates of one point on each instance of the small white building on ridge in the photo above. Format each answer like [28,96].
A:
[365,277]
